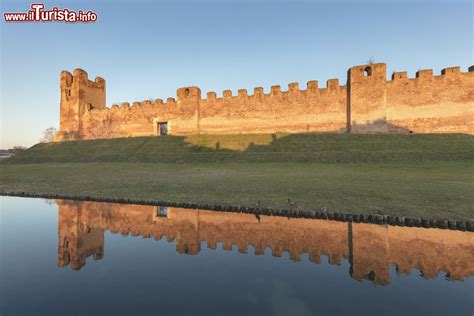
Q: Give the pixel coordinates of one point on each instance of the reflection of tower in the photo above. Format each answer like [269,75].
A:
[77,240]
[369,253]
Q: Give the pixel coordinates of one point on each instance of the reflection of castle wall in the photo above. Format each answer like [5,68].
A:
[429,250]
[369,248]
[416,247]
[295,236]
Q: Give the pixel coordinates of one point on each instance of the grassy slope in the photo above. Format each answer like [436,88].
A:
[259,147]
[416,175]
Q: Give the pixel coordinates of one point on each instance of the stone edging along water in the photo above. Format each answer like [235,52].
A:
[321,214]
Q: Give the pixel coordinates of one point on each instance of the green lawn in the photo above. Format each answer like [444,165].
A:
[436,190]
[409,175]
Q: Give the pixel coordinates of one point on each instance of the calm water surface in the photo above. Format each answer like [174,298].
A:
[87,258]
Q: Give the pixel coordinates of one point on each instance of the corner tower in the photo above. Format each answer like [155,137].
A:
[78,95]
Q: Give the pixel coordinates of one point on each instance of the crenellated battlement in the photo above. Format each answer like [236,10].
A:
[80,75]
[368,103]
[450,72]
[275,91]
[137,105]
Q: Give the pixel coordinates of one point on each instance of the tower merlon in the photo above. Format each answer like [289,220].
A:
[66,78]
[80,73]
[368,72]
[99,80]
[187,93]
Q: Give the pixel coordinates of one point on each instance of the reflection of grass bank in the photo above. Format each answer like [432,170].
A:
[433,189]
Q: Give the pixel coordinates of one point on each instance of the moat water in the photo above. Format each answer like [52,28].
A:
[88,258]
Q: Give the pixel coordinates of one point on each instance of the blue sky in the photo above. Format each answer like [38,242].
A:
[147,49]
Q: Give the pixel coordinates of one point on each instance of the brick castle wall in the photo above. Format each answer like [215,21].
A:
[367,103]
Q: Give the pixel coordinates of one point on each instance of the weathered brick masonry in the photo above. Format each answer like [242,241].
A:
[367,103]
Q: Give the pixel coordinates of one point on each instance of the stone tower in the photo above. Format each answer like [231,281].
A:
[366,104]
[78,96]
[188,101]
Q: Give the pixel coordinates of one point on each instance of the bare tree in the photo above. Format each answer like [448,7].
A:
[48,135]
[17,149]
[371,61]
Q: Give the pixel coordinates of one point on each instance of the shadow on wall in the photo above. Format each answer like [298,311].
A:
[275,141]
